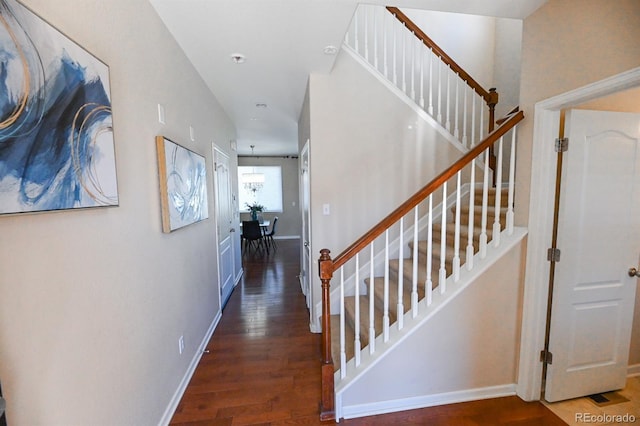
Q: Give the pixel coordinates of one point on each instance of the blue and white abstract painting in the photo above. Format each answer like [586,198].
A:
[56,134]
[183,185]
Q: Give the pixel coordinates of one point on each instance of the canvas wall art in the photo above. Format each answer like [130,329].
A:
[183,185]
[56,134]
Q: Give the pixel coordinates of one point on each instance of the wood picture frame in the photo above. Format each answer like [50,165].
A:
[183,185]
[56,132]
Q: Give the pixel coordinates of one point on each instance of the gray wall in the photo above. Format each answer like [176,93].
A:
[92,302]
[593,40]
[370,152]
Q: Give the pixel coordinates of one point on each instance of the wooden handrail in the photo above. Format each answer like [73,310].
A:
[506,117]
[423,193]
[490,96]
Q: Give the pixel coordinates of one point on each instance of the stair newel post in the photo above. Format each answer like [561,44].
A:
[491,103]
[327,404]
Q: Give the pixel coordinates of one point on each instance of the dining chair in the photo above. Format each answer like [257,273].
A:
[269,235]
[252,236]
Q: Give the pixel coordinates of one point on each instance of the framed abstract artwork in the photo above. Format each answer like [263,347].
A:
[183,185]
[56,135]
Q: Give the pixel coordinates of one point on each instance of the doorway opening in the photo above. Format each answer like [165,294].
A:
[546,129]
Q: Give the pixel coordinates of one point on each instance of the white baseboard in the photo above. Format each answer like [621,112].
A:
[287,237]
[177,395]
[633,370]
[384,407]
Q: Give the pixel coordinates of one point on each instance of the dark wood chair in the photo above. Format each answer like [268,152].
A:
[252,236]
[269,235]
[3,406]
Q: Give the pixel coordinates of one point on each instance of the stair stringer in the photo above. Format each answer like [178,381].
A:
[346,388]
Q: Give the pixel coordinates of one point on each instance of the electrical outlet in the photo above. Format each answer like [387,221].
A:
[181,344]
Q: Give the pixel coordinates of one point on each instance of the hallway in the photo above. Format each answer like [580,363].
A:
[263,364]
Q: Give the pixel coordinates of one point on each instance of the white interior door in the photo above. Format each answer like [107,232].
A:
[305,200]
[599,239]
[224,224]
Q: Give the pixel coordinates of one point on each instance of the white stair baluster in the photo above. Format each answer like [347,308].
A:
[347,38]
[375,38]
[385,30]
[365,33]
[472,193]
[481,131]
[394,53]
[485,197]
[496,221]
[421,52]
[372,324]
[448,106]
[356,36]
[357,345]
[465,141]
[385,314]
[512,172]
[412,44]
[456,241]
[473,120]
[456,129]
[430,110]
[439,118]
[400,306]
[442,276]
[404,60]
[429,283]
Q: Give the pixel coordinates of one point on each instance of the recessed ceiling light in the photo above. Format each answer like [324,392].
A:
[261,105]
[330,50]
[238,58]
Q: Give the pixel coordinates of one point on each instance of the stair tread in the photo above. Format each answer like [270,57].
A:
[393,294]
[349,306]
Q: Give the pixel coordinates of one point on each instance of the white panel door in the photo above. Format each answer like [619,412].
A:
[599,239]
[224,224]
[305,200]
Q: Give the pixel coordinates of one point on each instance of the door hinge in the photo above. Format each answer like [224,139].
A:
[562,145]
[546,357]
[553,255]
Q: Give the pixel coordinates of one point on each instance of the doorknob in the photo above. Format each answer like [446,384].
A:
[232,230]
[633,272]
[306,244]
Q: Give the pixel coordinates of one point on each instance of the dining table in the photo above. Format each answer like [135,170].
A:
[264,226]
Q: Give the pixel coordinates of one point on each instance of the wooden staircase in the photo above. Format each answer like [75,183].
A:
[407,273]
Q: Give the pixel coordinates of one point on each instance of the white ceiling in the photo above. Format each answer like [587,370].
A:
[283,42]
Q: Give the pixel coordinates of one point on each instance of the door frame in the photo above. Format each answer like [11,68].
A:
[309,300]
[540,225]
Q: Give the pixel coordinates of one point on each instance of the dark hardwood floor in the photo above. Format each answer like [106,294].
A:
[263,365]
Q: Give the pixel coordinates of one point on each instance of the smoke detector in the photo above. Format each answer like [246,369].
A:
[238,58]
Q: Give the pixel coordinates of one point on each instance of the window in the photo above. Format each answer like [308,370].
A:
[261,185]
